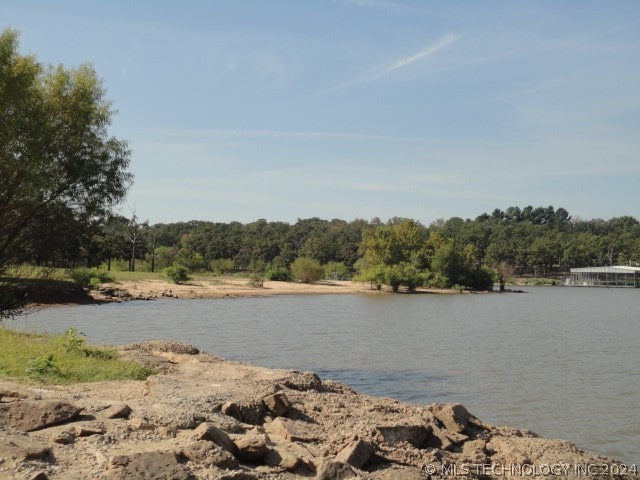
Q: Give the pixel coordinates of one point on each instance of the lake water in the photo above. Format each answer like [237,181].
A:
[563,362]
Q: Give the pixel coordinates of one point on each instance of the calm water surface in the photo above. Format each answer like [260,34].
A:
[563,362]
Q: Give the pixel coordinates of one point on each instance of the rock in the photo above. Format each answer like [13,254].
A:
[146,466]
[167,346]
[278,404]
[22,448]
[251,448]
[303,381]
[475,451]
[356,454]
[206,452]
[292,430]
[417,434]
[231,409]
[220,458]
[88,429]
[454,417]
[207,431]
[117,410]
[39,476]
[30,415]
[331,470]
[7,396]
[140,424]
[445,439]
[64,437]
[252,413]
[279,456]
[167,432]
[300,450]
[237,476]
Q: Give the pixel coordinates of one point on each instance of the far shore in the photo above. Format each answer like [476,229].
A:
[222,287]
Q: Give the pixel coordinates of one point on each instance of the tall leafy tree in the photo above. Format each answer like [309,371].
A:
[55,150]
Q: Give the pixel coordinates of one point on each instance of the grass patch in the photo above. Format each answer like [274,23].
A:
[62,359]
[135,276]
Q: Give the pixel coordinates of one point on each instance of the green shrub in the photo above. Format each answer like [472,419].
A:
[256,280]
[435,280]
[177,273]
[307,270]
[481,278]
[336,271]
[88,278]
[42,368]
[404,274]
[376,275]
[278,274]
[222,266]
[73,341]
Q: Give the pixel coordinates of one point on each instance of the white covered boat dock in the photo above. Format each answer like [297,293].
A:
[614,276]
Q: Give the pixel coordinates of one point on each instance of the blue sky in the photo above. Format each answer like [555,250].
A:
[241,110]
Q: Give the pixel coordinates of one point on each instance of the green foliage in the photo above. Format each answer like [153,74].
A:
[222,266]
[73,341]
[89,278]
[62,359]
[256,280]
[482,278]
[278,274]
[59,166]
[436,280]
[336,271]
[307,270]
[164,257]
[376,275]
[177,273]
[449,262]
[42,368]
[400,240]
[404,274]
[26,271]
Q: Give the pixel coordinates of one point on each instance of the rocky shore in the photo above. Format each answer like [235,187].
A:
[203,417]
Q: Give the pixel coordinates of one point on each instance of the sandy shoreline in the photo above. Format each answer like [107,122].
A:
[240,287]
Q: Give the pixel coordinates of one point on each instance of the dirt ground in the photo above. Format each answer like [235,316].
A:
[203,417]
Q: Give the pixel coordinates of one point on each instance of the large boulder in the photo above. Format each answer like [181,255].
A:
[292,430]
[251,448]
[30,415]
[332,470]
[356,454]
[22,448]
[278,404]
[208,453]
[454,417]
[116,410]
[415,432]
[208,431]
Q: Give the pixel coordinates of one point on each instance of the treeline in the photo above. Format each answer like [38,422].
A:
[528,241]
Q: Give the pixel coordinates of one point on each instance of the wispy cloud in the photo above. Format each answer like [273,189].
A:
[384,70]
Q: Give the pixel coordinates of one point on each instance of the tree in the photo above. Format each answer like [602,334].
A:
[400,240]
[449,262]
[55,151]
